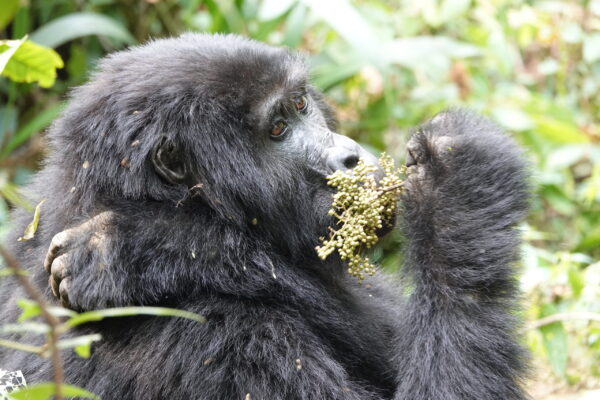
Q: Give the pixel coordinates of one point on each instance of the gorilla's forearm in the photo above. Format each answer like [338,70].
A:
[464,197]
[128,256]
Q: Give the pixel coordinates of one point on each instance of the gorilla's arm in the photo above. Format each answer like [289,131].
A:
[142,253]
[466,192]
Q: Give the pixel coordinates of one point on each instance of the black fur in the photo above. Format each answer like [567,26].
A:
[239,249]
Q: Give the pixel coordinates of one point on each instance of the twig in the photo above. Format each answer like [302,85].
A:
[559,317]
[51,320]
[390,188]
[21,346]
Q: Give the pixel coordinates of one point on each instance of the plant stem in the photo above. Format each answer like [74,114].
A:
[20,346]
[51,320]
[559,317]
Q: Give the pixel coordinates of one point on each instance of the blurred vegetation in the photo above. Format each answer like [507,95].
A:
[534,66]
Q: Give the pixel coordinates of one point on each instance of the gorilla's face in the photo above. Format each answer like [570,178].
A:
[225,123]
[262,98]
[261,140]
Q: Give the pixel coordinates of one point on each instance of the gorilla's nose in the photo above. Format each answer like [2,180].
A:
[345,153]
[342,158]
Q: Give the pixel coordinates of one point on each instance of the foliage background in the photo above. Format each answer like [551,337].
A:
[533,66]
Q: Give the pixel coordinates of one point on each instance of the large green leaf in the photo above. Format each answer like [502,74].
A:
[8,48]
[411,52]
[29,62]
[555,344]
[345,19]
[36,124]
[75,25]
[8,11]
[558,131]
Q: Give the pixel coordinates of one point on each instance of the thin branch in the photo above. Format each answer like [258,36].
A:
[560,317]
[390,188]
[51,320]
[21,346]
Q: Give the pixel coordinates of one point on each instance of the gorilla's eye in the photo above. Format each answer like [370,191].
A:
[301,103]
[278,129]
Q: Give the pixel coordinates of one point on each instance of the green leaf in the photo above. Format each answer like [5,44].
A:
[30,309]
[33,225]
[271,9]
[99,315]
[452,9]
[34,327]
[81,344]
[345,19]
[8,48]
[30,62]
[6,272]
[44,391]
[591,48]
[8,11]
[558,131]
[294,26]
[61,312]
[36,124]
[411,52]
[76,25]
[555,344]
[576,280]
[590,240]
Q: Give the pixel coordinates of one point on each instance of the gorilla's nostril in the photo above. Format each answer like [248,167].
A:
[351,161]
[410,159]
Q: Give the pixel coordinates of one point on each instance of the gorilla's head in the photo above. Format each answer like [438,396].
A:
[219,123]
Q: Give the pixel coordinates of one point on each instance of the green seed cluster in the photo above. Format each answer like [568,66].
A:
[361,207]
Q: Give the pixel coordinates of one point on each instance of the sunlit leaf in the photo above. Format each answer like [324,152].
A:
[34,327]
[555,344]
[30,309]
[7,12]
[30,62]
[44,391]
[576,281]
[591,48]
[31,229]
[411,52]
[8,48]
[61,312]
[558,131]
[451,9]
[512,119]
[99,315]
[80,344]
[345,19]
[271,9]
[76,25]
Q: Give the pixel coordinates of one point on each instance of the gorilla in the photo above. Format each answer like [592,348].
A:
[190,173]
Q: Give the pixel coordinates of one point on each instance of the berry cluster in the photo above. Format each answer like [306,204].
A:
[361,207]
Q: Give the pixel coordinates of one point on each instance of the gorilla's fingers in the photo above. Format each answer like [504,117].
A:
[53,286]
[63,291]
[59,241]
[58,273]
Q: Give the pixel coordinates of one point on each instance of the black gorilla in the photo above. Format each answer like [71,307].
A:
[193,172]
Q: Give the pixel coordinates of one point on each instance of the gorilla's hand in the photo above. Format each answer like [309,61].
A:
[70,250]
[463,162]
[466,190]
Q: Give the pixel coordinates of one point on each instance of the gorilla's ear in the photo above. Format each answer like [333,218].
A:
[168,162]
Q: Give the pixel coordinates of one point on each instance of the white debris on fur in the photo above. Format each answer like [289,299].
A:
[9,382]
